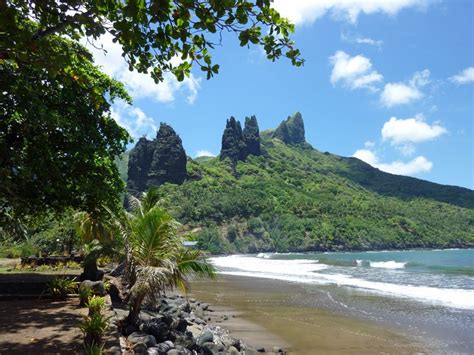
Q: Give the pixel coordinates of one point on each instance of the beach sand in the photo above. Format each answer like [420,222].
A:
[263,314]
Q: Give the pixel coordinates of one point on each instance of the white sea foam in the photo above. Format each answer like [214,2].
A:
[387,264]
[307,271]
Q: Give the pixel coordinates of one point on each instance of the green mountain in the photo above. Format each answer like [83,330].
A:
[294,198]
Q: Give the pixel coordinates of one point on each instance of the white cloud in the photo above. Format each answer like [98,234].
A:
[204,153]
[369,144]
[401,131]
[464,77]
[140,85]
[361,40]
[133,119]
[307,11]
[404,93]
[354,72]
[415,166]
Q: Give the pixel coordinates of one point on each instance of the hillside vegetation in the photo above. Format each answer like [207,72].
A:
[295,198]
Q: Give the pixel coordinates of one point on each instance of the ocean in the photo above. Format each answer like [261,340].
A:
[428,294]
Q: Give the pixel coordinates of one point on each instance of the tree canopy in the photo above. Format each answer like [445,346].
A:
[151,33]
[58,140]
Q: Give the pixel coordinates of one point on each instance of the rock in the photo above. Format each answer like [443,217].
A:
[209,348]
[205,336]
[153,351]
[199,312]
[291,131]
[139,348]
[278,350]
[204,306]
[157,328]
[140,337]
[231,350]
[97,287]
[186,307]
[261,350]
[174,352]
[179,325]
[192,300]
[163,348]
[185,342]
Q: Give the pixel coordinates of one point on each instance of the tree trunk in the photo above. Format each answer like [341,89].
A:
[91,272]
[135,308]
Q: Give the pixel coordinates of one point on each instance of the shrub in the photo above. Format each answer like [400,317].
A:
[95,304]
[93,328]
[84,295]
[59,287]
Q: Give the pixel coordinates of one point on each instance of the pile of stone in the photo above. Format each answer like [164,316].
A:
[180,326]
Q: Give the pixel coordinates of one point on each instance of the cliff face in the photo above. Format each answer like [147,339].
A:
[237,144]
[139,163]
[291,131]
[156,162]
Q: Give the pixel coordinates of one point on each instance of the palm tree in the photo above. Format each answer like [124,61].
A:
[96,234]
[158,259]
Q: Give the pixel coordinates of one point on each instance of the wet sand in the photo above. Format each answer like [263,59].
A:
[262,313]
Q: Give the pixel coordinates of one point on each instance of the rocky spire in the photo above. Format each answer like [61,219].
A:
[251,136]
[233,146]
[291,131]
[139,165]
[169,158]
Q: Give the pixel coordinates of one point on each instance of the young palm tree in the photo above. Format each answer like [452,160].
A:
[158,259]
[96,233]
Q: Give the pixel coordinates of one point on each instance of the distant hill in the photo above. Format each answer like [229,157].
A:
[294,198]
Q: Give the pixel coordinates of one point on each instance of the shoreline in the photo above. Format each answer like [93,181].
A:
[302,328]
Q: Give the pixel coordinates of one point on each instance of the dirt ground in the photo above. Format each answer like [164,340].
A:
[40,327]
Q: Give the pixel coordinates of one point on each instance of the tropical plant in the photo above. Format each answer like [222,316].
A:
[93,327]
[158,259]
[95,304]
[85,293]
[60,287]
[93,349]
[98,238]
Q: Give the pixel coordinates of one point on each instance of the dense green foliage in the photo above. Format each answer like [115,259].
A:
[297,198]
[58,141]
[156,258]
[153,34]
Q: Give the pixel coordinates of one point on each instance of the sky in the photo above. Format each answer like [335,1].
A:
[388,82]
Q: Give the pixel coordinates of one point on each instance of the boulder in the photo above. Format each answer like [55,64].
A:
[140,337]
[179,325]
[156,328]
[231,350]
[210,348]
[205,337]
[97,287]
[164,347]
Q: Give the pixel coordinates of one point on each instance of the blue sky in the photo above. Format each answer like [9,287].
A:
[390,82]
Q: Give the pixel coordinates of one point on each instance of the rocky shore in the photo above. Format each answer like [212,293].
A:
[177,325]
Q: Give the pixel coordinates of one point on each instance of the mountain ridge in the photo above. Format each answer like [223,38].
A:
[295,198]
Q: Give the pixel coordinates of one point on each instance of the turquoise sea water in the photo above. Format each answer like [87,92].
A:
[428,293]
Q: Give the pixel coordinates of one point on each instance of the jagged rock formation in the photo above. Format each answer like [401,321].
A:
[139,164]
[251,136]
[238,144]
[157,162]
[291,131]
[233,146]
